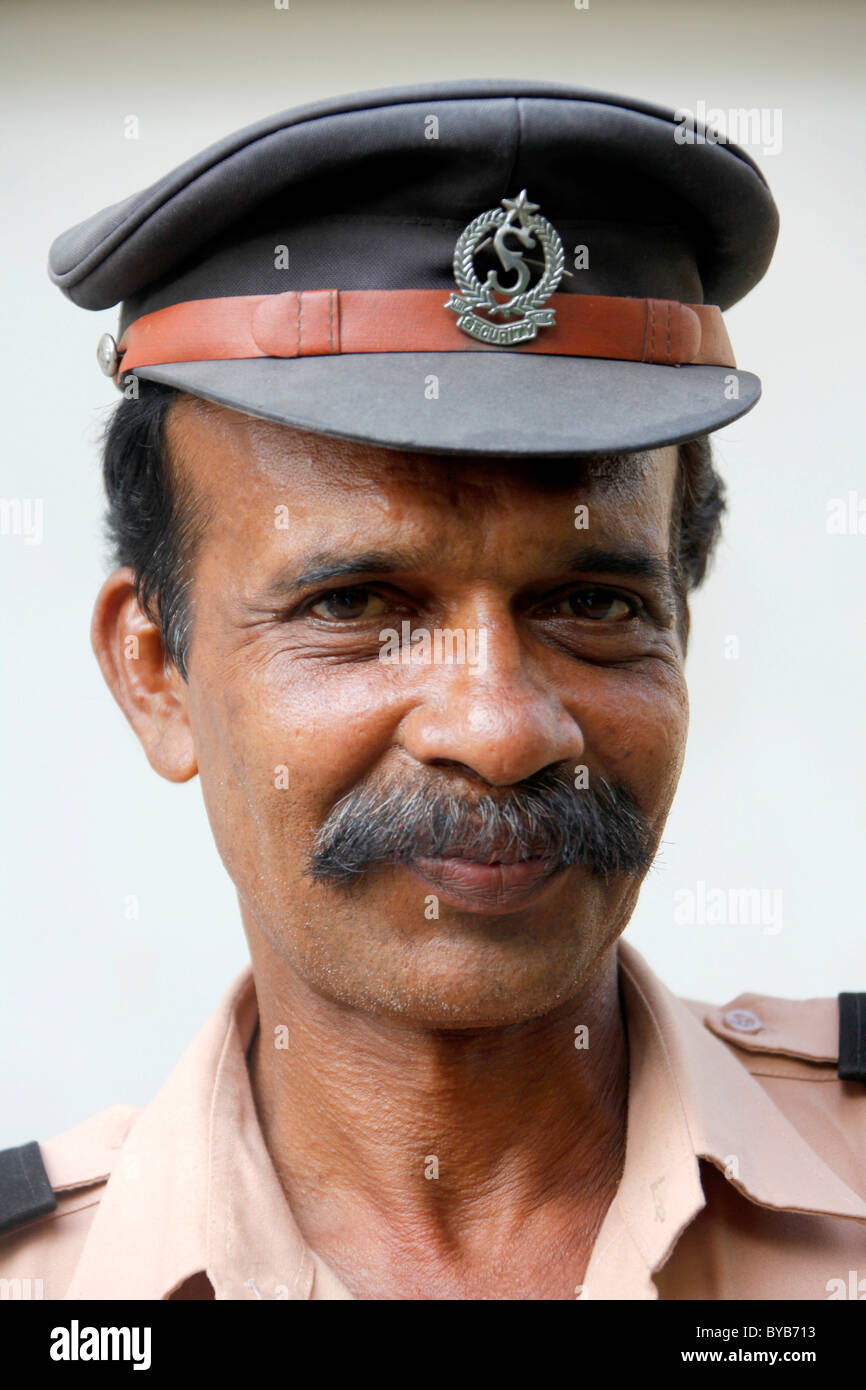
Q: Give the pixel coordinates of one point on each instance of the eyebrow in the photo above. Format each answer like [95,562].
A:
[326,567]
[633,561]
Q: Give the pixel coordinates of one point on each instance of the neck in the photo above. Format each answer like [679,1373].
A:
[416,1139]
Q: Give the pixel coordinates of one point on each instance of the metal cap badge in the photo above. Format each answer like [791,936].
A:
[521,302]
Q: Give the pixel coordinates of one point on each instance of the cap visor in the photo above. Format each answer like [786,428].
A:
[476,402]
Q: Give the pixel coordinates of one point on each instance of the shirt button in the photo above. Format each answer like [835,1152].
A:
[743,1020]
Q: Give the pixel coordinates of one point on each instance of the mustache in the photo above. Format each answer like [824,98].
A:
[600,827]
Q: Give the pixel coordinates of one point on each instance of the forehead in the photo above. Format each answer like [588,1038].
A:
[237,464]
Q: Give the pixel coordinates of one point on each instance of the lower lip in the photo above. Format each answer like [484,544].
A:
[488,888]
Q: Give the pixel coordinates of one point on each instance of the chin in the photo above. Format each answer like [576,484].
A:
[462,990]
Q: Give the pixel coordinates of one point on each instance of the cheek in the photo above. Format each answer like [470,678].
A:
[279,743]
[635,726]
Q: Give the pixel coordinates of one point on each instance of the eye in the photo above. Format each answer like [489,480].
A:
[348,604]
[599,605]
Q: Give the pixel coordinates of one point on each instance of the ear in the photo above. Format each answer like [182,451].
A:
[148,688]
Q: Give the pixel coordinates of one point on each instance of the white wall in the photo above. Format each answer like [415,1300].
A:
[97,1007]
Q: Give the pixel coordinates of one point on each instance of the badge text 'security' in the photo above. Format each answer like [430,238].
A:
[516,220]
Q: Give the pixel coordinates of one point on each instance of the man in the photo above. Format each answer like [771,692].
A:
[408,488]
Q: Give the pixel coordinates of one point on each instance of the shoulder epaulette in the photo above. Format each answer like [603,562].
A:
[820,1032]
[852,1037]
[25,1191]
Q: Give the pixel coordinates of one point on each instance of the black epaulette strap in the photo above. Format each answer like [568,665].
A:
[852,1037]
[25,1191]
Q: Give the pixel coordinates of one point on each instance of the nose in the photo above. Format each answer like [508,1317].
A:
[501,723]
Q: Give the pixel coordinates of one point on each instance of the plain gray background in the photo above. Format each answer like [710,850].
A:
[121,928]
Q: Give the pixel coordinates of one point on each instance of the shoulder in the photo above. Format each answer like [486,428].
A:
[764,1029]
[49,1195]
[792,1049]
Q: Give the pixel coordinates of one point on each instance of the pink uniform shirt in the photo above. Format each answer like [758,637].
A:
[745,1170]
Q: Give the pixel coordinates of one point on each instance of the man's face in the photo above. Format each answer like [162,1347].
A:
[314,548]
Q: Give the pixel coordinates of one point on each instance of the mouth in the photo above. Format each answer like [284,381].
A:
[496,887]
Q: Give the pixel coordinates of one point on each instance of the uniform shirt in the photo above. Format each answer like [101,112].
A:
[744,1175]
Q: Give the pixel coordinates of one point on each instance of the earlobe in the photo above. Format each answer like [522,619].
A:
[149,690]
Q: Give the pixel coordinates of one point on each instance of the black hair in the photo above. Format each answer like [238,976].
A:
[154,523]
[696,521]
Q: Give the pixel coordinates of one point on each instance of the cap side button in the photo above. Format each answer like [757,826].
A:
[107,355]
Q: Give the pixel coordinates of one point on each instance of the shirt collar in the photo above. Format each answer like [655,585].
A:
[197,1190]
[161,1220]
[689,1098]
